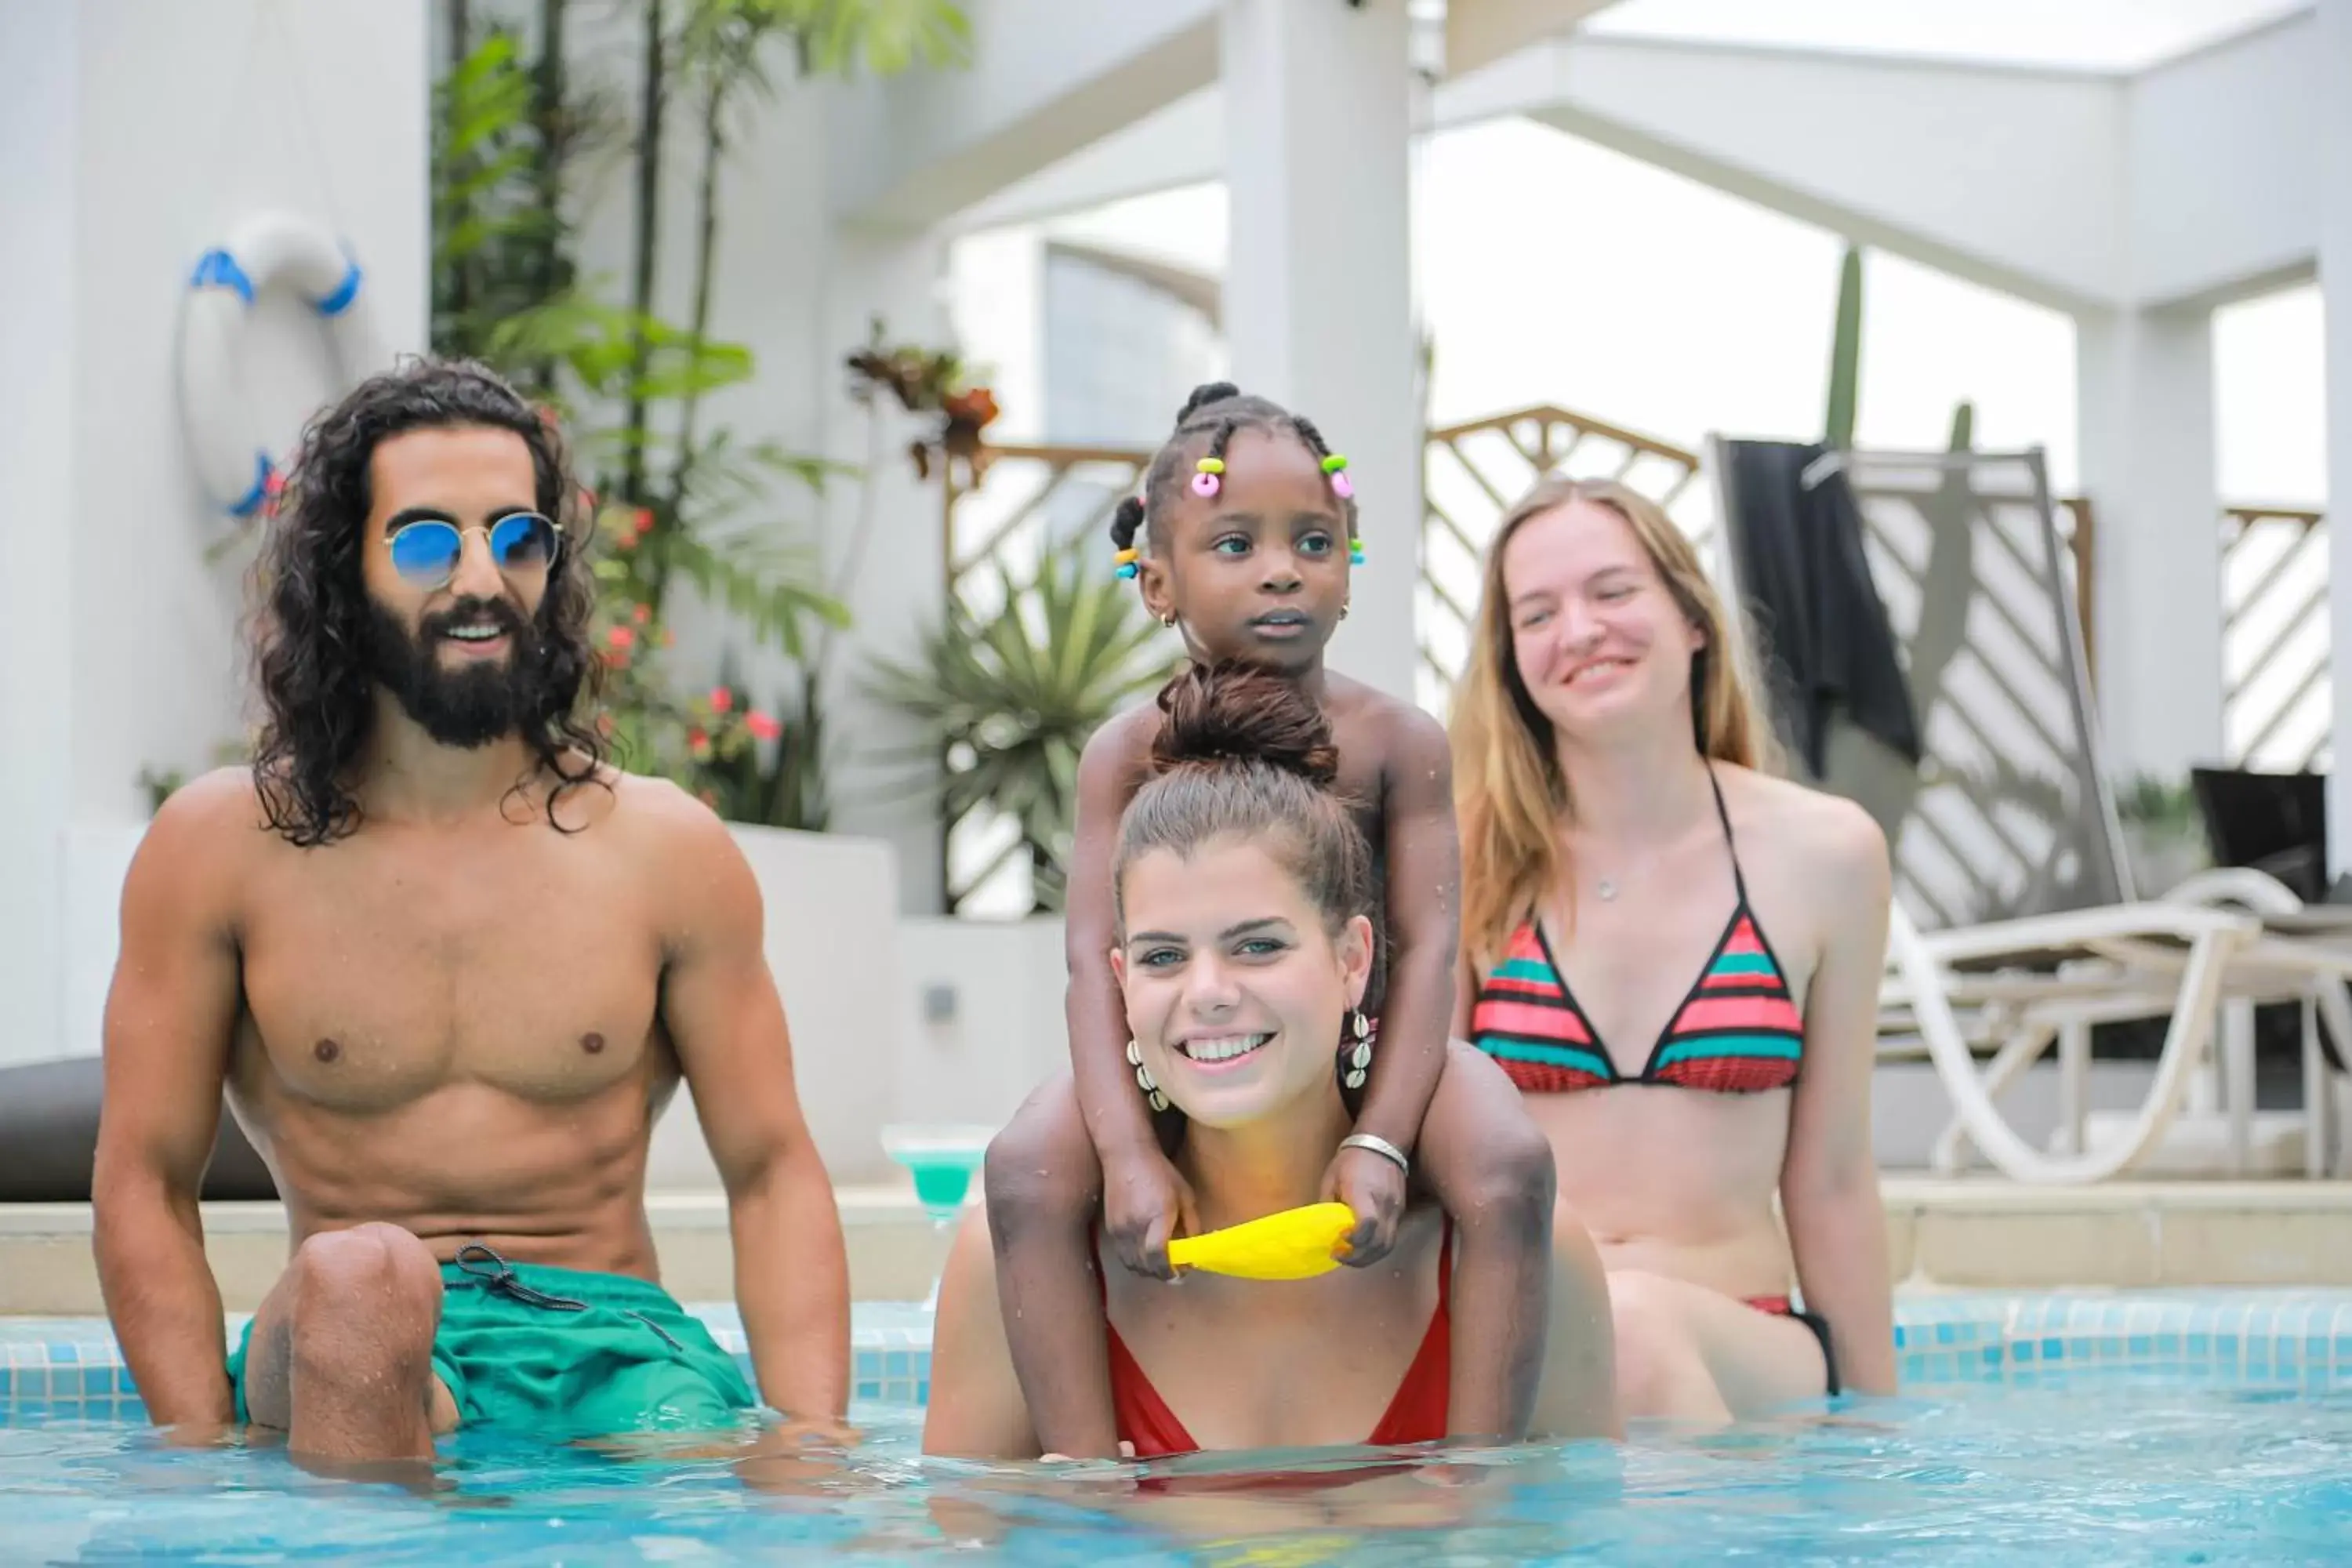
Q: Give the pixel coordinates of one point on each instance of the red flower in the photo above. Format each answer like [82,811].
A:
[697,743]
[641,520]
[641,613]
[621,638]
[721,700]
[976,406]
[762,726]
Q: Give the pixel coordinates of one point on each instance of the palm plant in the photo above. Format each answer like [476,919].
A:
[681,502]
[1009,699]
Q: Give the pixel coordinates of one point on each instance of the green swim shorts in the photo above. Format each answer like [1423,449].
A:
[524,1347]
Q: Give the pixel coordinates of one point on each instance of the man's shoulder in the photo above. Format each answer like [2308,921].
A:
[658,813]
[201,848]
[216,812]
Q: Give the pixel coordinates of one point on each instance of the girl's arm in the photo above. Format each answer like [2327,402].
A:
[1422,902]
[1829,1179]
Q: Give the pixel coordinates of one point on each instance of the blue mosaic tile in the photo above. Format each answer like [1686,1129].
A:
[2294,1339]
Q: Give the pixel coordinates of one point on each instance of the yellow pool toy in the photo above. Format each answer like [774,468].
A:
[1296,1244]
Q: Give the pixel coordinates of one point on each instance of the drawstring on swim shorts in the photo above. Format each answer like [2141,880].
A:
[501,1279]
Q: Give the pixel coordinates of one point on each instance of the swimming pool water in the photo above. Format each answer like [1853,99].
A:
[2060,1460]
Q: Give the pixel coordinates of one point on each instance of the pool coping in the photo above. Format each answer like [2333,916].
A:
[1968,1232]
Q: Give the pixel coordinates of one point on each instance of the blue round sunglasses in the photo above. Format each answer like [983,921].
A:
[426,553]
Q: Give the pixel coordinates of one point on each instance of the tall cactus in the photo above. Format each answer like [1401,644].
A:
[1845,355]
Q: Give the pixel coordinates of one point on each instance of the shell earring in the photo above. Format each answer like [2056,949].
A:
[1359,1055]
[1143,1078]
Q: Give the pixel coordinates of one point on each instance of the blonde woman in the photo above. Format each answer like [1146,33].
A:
[1676,957]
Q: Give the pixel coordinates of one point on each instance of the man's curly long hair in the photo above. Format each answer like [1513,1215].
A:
[311,635]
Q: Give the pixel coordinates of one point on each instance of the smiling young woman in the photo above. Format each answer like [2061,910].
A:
[1625,854]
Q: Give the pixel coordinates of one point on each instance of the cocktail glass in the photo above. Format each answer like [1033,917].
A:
[941,1159]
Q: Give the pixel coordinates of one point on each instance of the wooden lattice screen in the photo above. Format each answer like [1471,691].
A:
[2275,645]
[1471,472]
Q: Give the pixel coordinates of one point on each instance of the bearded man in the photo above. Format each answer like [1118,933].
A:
[449,966]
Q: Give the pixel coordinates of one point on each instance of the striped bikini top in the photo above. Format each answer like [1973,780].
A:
[1736,1032]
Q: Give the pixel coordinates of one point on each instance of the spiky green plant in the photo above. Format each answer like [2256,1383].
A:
[1010,697]
[1845,355]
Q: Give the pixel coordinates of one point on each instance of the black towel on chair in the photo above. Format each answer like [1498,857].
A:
[1827,642]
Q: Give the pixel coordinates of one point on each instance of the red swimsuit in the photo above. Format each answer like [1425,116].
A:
[1416,1415]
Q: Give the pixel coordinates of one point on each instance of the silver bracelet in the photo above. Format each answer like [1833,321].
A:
[1379,1146]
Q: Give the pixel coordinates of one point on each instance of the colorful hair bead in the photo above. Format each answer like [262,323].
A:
[1336,467]
[1355,551]
[1127,559]
[1205,476]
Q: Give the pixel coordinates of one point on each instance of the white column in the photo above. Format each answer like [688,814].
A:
[2144,391]
[1319,296]
[2335,112]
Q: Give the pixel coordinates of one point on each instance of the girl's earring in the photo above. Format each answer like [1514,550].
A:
[1360,1055]
[1169,620]
[1143,1080]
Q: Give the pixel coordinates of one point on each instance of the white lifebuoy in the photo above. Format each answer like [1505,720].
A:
[237,469]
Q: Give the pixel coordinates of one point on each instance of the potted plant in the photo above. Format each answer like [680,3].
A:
[2163,833]
[1010,697]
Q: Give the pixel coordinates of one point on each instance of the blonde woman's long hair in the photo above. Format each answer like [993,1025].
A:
[1510,796]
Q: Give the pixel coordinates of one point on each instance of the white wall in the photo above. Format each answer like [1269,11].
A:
[832,914]
[2224,161]
[137,130]
[40,127]
[1004,984]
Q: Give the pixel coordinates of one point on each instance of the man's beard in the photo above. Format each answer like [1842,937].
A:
[467,707]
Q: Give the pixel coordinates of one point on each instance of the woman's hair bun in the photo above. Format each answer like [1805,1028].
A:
[1242,713]
[1208,392]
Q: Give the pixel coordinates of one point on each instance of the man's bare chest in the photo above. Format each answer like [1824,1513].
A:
[372,979]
